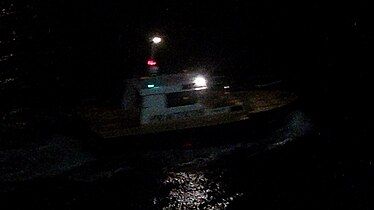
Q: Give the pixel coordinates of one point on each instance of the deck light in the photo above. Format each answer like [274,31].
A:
[200,81]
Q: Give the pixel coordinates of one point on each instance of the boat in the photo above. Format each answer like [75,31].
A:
[164,103]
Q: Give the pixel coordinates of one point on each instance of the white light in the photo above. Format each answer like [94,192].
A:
[226,87]
[200,81]
[156,39]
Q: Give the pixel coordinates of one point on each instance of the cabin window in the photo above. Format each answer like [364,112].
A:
[181,99]
[188,86]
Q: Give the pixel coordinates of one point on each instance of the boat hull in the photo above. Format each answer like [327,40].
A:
[114,123]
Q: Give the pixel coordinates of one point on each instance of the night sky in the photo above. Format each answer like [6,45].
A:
[78,49]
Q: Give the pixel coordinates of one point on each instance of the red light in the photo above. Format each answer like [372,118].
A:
[151,62]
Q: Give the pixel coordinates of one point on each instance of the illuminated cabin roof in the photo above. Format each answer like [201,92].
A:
[167,83]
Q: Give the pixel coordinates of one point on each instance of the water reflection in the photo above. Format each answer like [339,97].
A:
[194,190]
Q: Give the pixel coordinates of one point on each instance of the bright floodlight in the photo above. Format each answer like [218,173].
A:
[200,81]
[156,39]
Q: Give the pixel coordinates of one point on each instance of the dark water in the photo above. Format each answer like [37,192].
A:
[195,173]
[290,163]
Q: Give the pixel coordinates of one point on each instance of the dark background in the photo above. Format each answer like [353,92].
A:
[56,54]
[89,47]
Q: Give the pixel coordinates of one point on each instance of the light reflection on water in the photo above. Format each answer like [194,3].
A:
[193,190]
